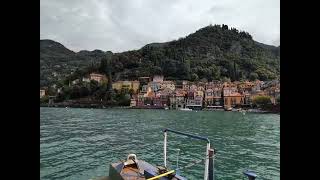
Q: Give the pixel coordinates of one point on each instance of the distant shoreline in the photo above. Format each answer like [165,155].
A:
[95,106]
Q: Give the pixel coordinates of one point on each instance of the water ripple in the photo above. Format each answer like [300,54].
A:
[81,143]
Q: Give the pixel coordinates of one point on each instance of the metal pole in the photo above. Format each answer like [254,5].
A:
[211,164]
[206,170]
[165,149]
[178,159]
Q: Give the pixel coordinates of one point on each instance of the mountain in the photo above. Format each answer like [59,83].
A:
[212,52]
[57,62]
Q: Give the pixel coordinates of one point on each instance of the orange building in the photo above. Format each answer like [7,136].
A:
[233,100]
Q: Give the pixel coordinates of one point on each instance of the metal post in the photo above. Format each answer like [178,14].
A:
[178,159]
[165,149]
[211,164]
[206,173]
[206,170]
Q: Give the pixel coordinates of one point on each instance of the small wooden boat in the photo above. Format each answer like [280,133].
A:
[136,169]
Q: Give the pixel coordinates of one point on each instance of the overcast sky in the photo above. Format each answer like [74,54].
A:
[121,25]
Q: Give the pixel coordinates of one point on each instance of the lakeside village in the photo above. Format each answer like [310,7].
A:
[157,93]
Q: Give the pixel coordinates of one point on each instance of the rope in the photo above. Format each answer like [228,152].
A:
[161,175]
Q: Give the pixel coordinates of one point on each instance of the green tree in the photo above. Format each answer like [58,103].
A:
[100,93]
[262,101]
[215,72]
[124,100]
[93,86]
[212,52]
[75,92]
[131,92]
[66,92]
[253,76]
[51,91]
[84,91]
[194,77]
[225,79]
[44,99]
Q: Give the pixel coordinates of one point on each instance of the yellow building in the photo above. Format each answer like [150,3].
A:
[119,85]
[126,85]
[199,93]
[136,86]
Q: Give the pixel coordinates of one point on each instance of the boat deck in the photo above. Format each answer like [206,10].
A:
[132,172]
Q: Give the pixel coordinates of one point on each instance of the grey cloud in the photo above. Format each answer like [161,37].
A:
[120,25]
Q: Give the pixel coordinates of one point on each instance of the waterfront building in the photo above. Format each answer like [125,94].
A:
[195,103]
[100,78]
[76,81]
[155,86]
[126,85]
[185,85]
[42,93]
[86,79]
[157,78]
[191,94]
[177,99]
[133,102]
[213,97]
[233,100]
[208,100]
[144,89]
[193,87]
[199,93]
[213,84]
[140,100]
[144,80]
[117,85]
[167,84]
[227,90]
[135,86]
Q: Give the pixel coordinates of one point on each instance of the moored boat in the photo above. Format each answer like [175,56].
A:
[136,169]
[185,109]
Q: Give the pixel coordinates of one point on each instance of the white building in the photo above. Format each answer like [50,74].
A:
[42,93]
[98,77]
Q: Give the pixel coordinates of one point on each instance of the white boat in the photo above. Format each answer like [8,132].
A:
[185,109]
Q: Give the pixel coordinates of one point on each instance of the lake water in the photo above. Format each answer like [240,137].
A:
[79,144]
